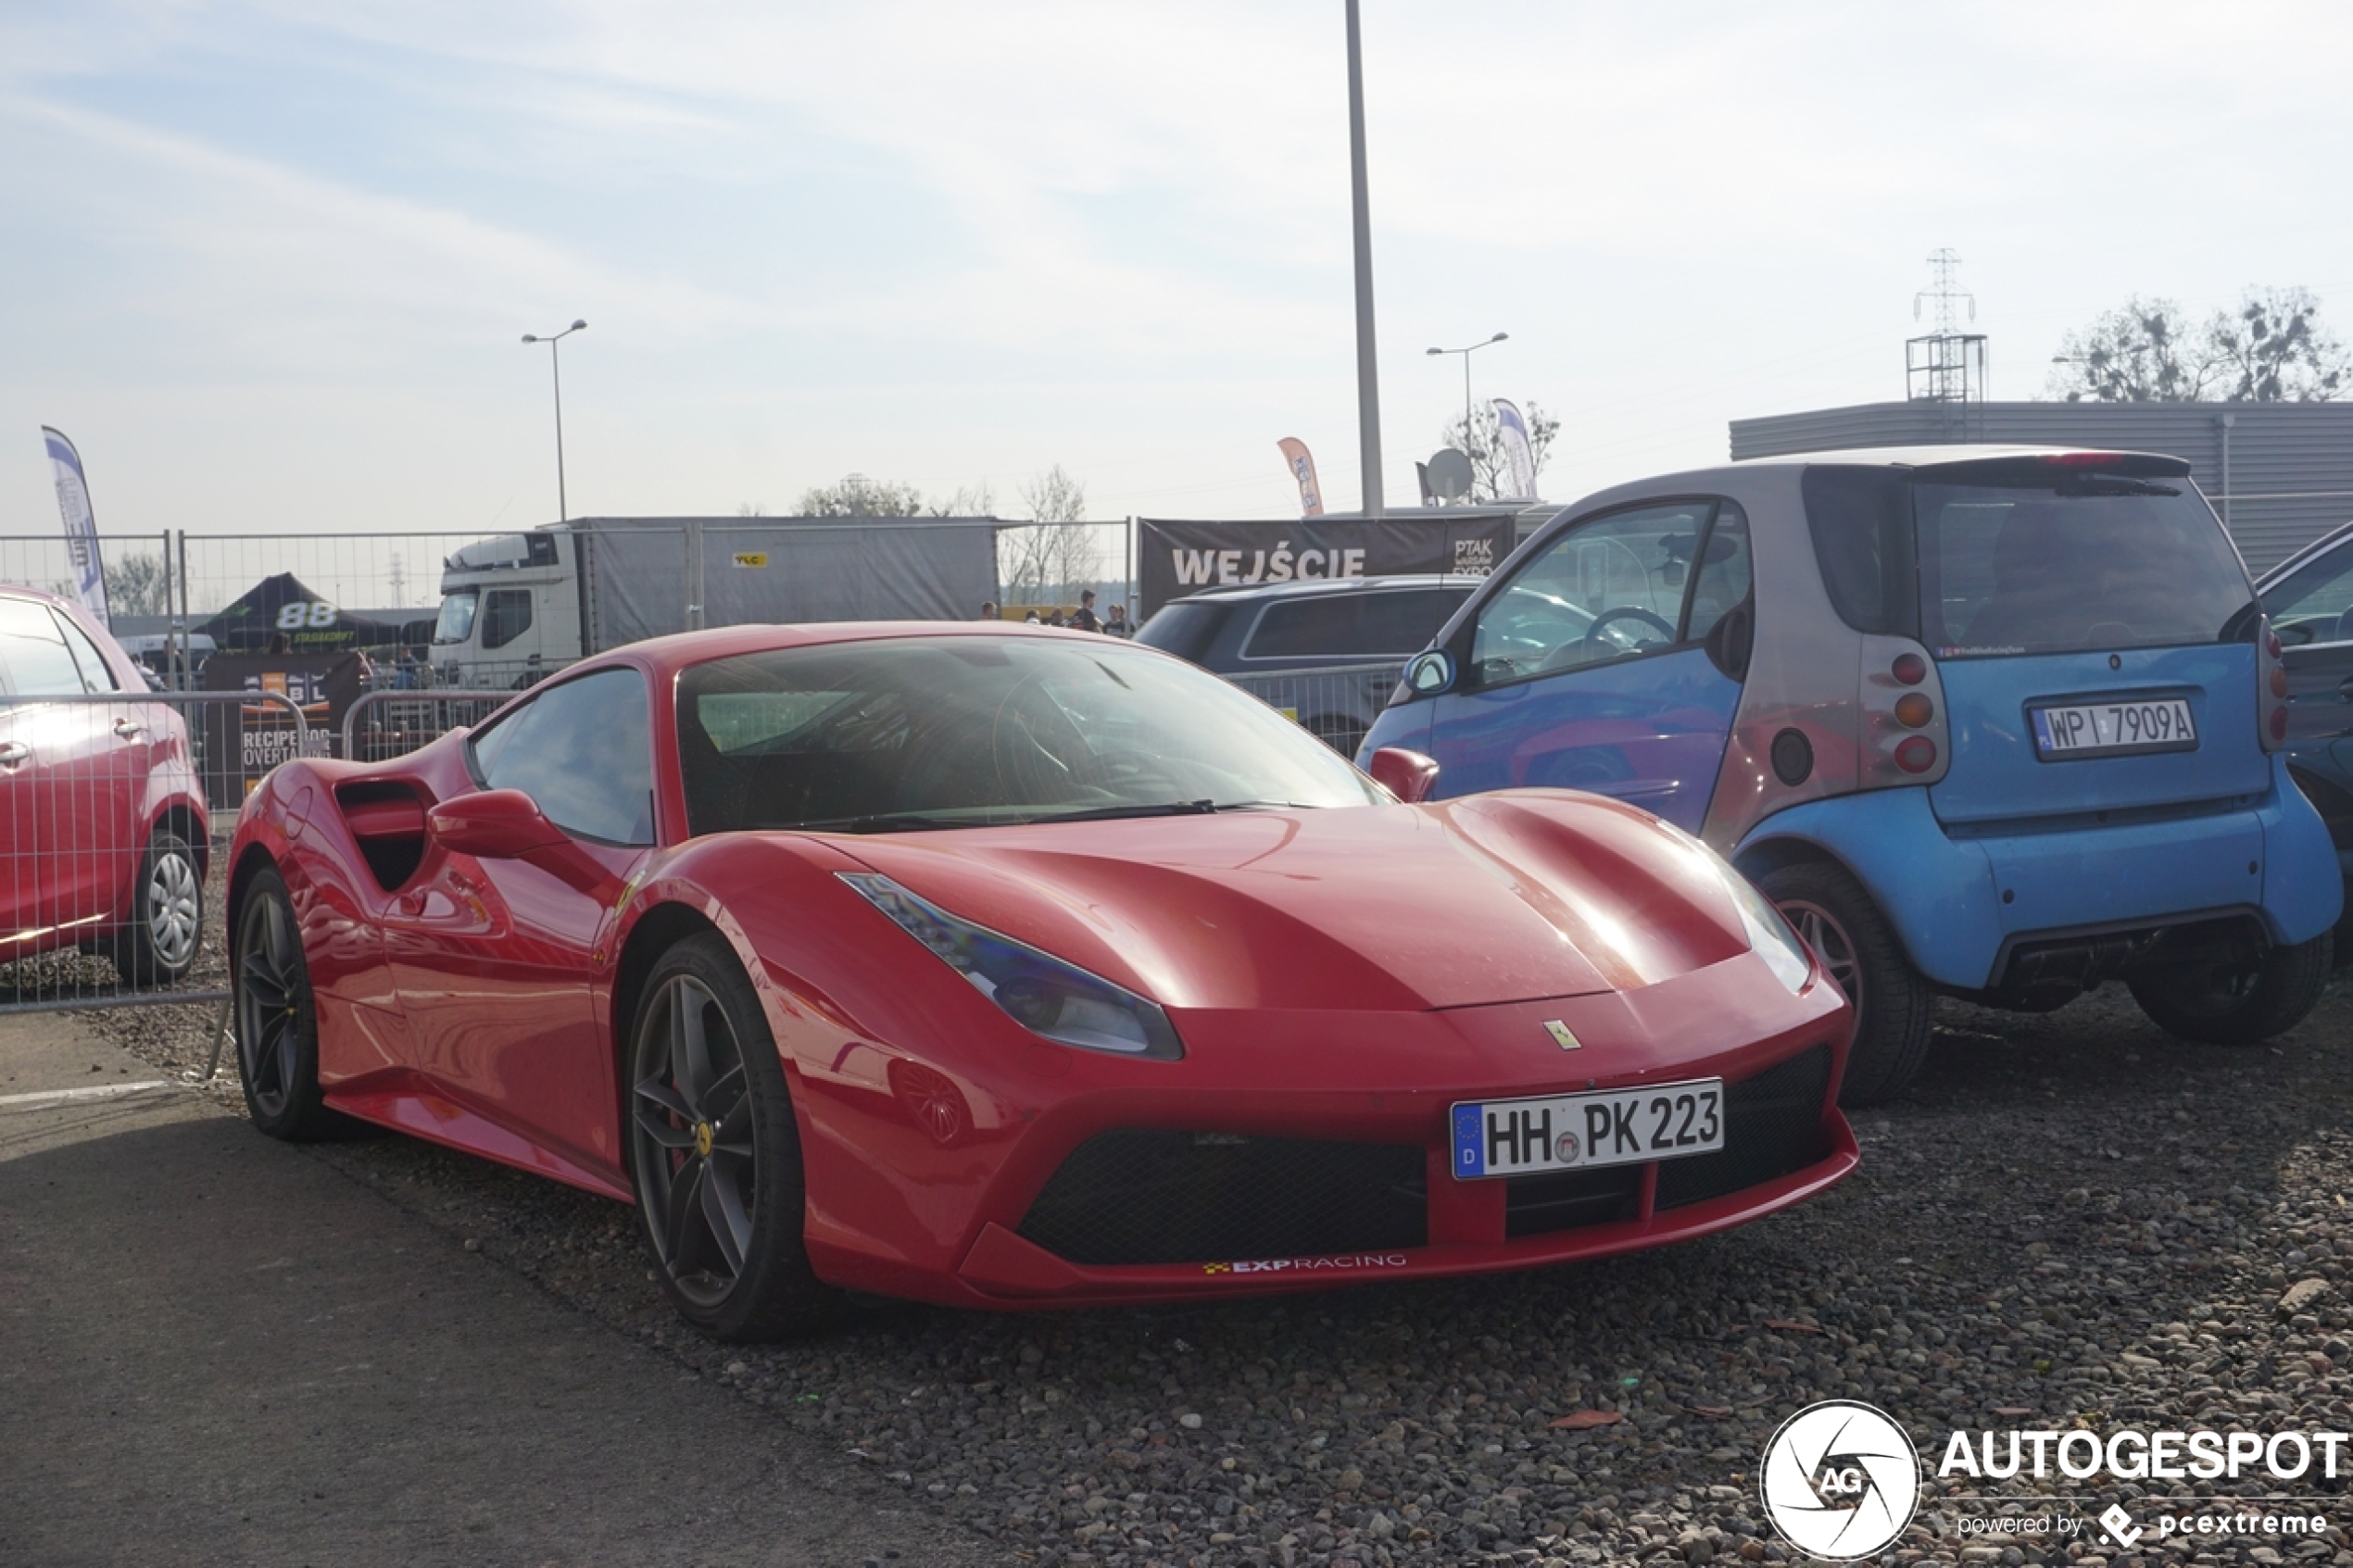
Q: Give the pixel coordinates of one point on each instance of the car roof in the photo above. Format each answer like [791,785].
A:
[667,656]
[1299,588]
[1927,457]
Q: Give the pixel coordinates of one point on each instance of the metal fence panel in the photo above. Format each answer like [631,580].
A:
[383,725]
[1336,703]
[113,809]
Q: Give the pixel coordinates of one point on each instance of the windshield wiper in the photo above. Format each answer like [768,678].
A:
[1112,813]
[882,821]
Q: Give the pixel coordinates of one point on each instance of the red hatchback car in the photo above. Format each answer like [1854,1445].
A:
[1020,968]
[103,827]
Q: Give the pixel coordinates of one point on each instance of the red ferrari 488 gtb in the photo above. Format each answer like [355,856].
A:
[1020,968]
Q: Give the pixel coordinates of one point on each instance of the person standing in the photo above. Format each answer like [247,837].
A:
[989,609]
[1086,620]
[1115,624]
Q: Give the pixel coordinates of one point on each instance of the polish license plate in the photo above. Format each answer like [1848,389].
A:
[2114,729]
[1513,1137]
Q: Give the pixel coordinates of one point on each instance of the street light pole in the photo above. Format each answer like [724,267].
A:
[1368,374]
[1466,352]
[555,364]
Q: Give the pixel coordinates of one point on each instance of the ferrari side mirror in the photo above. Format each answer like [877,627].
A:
[1406,774]
[496,824]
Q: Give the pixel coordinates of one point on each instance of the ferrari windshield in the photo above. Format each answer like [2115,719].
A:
[974,731]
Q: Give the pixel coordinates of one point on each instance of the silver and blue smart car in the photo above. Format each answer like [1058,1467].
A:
[2003,724]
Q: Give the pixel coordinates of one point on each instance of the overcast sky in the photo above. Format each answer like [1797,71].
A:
[268,263]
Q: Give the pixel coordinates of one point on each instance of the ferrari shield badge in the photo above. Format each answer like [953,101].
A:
[1561,1036]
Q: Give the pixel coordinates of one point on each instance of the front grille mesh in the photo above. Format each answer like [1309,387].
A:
[1772,1127]
[1151,1195]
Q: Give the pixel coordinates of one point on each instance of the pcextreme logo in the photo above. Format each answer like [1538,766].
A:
[1841,1480]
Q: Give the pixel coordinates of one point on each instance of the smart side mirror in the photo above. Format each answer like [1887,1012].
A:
[1431,672]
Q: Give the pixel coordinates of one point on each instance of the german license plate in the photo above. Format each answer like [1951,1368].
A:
[1513,1137]
[2114,729]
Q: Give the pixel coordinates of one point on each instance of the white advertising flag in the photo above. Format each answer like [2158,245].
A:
[1516,452]
[81,526]
[1303,468]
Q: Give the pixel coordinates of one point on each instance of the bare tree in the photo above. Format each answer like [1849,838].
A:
[136,585]
[857,496]
[968,500]
[1480,438]
[1050,559]
[756,508]
[2270,349]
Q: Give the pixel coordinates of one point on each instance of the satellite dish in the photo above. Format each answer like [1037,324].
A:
[1450,474]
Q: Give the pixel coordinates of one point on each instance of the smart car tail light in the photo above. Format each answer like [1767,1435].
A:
[1900,703]
[1041,993]
[2271,687]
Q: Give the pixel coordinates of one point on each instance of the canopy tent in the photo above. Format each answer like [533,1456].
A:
[283,603]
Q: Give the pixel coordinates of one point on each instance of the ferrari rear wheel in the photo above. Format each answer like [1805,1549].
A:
[1859,950]
[277,1019]
[717,1155]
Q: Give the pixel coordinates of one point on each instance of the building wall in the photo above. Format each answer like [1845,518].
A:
[2290,465]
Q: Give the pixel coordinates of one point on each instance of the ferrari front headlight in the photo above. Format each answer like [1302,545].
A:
[1041,993]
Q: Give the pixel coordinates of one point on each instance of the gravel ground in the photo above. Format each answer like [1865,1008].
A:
[2072,1220]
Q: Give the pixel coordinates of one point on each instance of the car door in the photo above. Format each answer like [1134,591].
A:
[495,959]
[2311,606]
[1590,666]
[68,798]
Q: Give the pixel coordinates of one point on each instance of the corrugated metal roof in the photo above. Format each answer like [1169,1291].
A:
[2289,464]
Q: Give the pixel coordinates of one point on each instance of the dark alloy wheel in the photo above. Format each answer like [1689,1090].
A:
[158,942]
[716,1152]
[2242,999]
[1859,950]
[277,1019]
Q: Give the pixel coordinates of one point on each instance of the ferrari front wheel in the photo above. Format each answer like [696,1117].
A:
[716,1153]
[277,1018]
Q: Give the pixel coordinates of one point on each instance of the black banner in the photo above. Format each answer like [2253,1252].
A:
[245,741]
[1176,558]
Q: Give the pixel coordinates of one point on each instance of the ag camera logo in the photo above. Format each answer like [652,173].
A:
[1841,1480]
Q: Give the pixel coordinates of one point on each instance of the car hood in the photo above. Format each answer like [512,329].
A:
[1491,898]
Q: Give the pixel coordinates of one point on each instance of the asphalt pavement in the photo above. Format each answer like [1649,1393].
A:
[215,1349]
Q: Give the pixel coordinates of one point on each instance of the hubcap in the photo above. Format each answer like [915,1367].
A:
[692,1134]
[174,909]
[1821,931]
[272,991]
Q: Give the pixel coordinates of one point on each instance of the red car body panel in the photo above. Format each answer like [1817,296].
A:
[1344,974]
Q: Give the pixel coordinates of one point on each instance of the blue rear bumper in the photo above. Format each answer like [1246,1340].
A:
[1946,896]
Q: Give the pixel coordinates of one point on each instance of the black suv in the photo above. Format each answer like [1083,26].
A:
[1327,651]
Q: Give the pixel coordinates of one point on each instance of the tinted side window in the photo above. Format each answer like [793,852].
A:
[1861,521]
[1609,589]
[97,673]
[505,615]
[33,652]
[2316,605]
[1722,580]
[1185,627]
[582,749]
[1304,628]
[1405,622]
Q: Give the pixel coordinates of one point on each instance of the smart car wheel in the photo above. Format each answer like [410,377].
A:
[2238,1000]
[716,1153]
[1859,950]
[277,1020]
[156,943]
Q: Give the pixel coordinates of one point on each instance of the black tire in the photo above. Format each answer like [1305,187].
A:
[2243,1003]
[1858,948]
[277,1018]
[716,1154]
[158,944]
